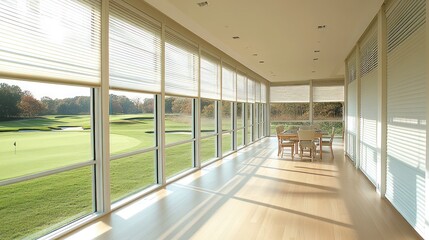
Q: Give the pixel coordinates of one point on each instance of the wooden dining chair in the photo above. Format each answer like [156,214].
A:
[328,142]
[306,142]
[283,142]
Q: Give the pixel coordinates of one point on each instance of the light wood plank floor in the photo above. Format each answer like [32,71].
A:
[253,194]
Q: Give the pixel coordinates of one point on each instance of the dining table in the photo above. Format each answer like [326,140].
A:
[293,136]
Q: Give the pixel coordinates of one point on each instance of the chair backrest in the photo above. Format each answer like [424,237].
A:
[280,129]
[306,135]
[332,135]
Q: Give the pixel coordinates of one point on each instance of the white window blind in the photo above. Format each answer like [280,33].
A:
[407,109]
[351,120]
[351,67]
[250,91]
[210,77]
[369,154]
[241,88]
[135,50]
[229,84]
[53,41]
[181,64]
[258,92]
[328,93]
[263,93]
[290,94]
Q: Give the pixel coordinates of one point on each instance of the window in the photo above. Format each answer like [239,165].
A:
[46,131]
[227,127]
[132,142]
[240,124]
[209,131]
[249,122]
[179,134]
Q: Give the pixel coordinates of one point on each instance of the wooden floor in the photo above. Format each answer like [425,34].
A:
[255,195]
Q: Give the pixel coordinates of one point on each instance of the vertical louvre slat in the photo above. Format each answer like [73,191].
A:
[54,41]
[181,64]
[369,154]
[229,84]
[135,50]
[406,110]
[210,77]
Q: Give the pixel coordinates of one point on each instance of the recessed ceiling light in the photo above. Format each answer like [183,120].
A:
[236,37]
[203,4]
[313,71]
[261,61]
[255,54]
[321,26]
[315,59]
[317,51]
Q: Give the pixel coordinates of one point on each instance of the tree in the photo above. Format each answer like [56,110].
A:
[182,105]
[50,106]
[148,105]
[29,106]
[10,96]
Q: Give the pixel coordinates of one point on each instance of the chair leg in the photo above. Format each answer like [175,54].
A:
[291,151]
[332,152]
[282,152]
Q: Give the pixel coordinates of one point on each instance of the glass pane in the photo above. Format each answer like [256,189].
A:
[249,114]
[289,111]
[131,174]
[249,134]
[132,121]
[327,127]
[42,127]
[226,143]
[208,149]
[178,119]
[328,111]
[36,207]
[208,117]
[226,116]
[178,159]
[240,137]
[287,125]
[240,114]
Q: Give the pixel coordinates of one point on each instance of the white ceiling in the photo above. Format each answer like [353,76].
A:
[284,33]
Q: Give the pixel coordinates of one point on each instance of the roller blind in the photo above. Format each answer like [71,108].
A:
[351,66]
[135,50]
[250,91]
[241,88]
[406,109]
[369,154]
[181,64]
[290,94]
[258,92]
[51,41]
[210,77]
[328,93]
[263,93]
[228,83]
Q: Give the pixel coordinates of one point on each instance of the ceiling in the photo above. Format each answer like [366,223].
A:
[284,34]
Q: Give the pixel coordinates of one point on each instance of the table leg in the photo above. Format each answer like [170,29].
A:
[320,146]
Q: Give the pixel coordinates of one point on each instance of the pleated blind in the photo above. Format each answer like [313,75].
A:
[210,76]
[258,92]
[263,93]
[328,93]
[250,91]
[51,41]
[241,88]
[290,94]
[181,64]
[229,84]
[135,49]
[369,154]
[406,109]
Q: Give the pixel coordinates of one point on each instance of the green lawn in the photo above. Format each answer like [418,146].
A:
[36,207]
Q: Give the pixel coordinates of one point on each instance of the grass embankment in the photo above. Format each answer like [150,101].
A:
[35,207]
